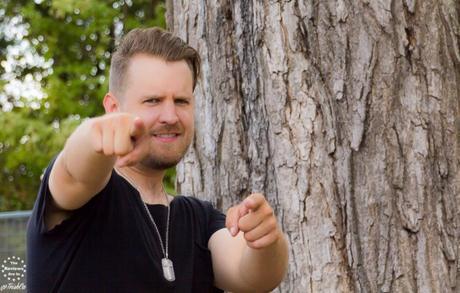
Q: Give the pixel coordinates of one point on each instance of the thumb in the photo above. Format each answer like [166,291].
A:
[231,220]
[233,216]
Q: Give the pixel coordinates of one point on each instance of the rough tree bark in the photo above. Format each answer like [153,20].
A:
[346,115]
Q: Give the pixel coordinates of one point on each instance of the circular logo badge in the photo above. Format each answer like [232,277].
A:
[13,269]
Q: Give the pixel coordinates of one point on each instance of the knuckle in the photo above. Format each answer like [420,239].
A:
[259,196]
[268,211]
[242,226]
[97,143]
[125,149]
[94,125]
[272,225]
[120,150]
[242,209]
[109,121]
[107,151]
[273,238]
[255,244]
[117,124]
[249,237]
[122,126]
[97,147]
[127,121]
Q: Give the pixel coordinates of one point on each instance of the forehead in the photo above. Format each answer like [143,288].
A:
[154,75]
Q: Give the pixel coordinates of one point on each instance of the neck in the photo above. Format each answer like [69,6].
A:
[149,183]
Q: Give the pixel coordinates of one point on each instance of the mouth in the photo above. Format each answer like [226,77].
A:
[166,137]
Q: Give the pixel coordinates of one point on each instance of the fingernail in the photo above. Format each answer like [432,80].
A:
[233,231]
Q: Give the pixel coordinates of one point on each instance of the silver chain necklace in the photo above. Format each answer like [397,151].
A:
[166,263]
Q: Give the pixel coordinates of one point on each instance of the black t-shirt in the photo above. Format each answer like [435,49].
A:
[110,244]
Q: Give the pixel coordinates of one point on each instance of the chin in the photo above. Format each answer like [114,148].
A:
[160,163]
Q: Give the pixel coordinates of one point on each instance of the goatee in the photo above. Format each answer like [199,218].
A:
[159,164]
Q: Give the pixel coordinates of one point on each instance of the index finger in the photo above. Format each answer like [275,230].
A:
[137,129]
[254,201]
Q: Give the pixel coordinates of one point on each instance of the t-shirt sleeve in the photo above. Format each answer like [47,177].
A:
[216,220]
[43,201]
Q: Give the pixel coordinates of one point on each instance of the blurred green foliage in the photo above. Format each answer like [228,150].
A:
[76,37]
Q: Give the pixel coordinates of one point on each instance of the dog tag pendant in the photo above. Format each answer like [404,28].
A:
[168,269]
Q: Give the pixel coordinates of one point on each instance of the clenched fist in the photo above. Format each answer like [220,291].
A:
[255,218]
[122,135]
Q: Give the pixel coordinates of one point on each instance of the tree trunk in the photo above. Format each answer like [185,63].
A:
[345,114]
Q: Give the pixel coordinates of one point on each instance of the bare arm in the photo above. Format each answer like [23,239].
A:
[79,172]
[84,166]
[256,258]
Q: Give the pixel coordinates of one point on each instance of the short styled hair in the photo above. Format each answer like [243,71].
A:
[152,41]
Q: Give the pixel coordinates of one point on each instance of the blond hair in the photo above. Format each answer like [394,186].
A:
[153,41]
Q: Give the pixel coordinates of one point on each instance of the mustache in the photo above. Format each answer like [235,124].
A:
[169,128]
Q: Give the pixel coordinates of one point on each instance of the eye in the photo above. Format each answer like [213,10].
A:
[182,101]
[152,100]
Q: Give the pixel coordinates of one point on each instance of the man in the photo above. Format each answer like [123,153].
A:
[102,221]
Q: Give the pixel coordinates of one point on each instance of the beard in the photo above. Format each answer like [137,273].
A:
[162,159]
[160,163]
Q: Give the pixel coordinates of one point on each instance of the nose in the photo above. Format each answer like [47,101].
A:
[168,114]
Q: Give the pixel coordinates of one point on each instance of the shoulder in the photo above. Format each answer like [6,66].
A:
[194,203]
[203,209]
[200,208]
[202,213]
[191,200]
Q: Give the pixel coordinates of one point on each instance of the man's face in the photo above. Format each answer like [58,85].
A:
[161,94]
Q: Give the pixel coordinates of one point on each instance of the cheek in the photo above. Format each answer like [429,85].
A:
[192,126]
[192,122]
[148,119]
[188,119]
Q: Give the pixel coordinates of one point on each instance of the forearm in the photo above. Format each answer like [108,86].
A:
[81,159]
[79,171]
[263,269]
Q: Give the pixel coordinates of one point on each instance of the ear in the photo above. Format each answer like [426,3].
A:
[111,103]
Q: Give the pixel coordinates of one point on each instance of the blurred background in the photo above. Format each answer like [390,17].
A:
[54,64]
[54,58]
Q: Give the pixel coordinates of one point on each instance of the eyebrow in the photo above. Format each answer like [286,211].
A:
[162,97]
